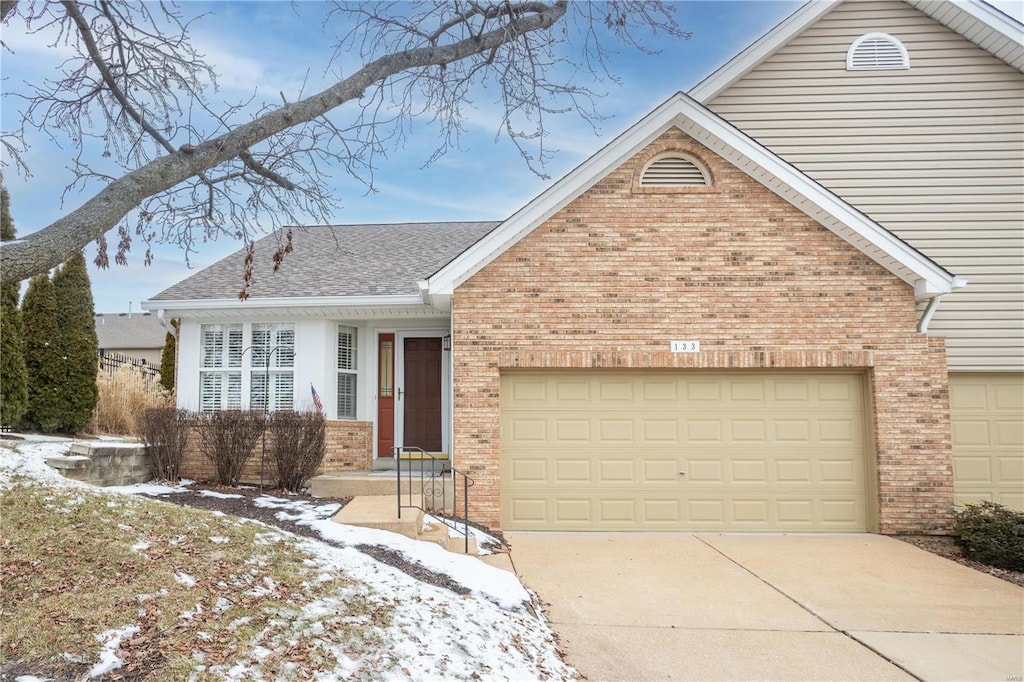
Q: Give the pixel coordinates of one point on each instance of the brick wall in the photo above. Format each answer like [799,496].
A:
[621,271]
[349,448]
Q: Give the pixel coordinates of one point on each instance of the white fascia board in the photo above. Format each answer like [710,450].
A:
[755,53]
[1002,23]
[726,140]
[553,199]
[234,304]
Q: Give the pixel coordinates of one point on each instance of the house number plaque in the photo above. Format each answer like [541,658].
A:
[685,346]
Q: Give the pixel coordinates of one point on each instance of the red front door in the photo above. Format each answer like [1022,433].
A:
[422,399]
[385,395]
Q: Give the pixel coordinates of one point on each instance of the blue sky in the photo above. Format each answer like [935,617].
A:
[271,47]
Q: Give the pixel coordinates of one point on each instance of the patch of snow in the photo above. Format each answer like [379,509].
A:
[111,641]
[27,459]
[497,585]
[153,489]
[162,592]
[455,530]
[184,579]
[214,493]
[140,546]
[219,539]
[31,678]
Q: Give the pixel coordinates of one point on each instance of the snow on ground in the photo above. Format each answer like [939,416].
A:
[492,634]
[499,586]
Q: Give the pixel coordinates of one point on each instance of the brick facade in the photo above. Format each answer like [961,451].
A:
[609,280]
[349,448]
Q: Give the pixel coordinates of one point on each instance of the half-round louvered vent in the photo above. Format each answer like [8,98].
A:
[877,51]
[673,171]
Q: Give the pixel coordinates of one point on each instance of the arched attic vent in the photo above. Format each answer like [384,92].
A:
[674,170]
[877,52]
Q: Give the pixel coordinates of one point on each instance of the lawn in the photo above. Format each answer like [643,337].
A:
[112,584]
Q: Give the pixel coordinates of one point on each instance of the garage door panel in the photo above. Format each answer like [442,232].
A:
[760,451]
[529,470]
[987,415]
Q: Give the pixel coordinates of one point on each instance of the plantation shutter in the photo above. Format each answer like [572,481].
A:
[347,376]
[276,342]
[210,391]
[221,347]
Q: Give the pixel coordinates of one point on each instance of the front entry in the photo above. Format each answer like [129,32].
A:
[422,414]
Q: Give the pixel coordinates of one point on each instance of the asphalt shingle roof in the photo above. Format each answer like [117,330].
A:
[336,260]
[140,330]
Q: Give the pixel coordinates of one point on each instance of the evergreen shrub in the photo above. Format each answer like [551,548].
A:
[992,534]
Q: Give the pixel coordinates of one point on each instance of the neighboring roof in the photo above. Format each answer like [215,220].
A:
[985,26]
[334,261]
[681,111]
[117,331]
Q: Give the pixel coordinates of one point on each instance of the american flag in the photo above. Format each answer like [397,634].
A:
[316,398]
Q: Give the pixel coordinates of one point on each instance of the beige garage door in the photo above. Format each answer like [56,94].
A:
[988,437]
[669,450]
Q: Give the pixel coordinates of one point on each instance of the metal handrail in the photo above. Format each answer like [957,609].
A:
[467,482]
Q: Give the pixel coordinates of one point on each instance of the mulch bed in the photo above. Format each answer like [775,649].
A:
[245,507]
[945,546]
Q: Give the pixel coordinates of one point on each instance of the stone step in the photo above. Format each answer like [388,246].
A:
[428,492]
[442,534]
[381,512]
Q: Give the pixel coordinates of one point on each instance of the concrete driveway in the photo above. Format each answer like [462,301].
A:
[659,606]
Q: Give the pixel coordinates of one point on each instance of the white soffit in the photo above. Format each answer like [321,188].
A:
[976,21]
[907,263]
[347,307]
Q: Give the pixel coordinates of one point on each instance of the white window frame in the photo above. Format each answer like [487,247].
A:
[220,368]
[280,344]
[236,372]
[347,372]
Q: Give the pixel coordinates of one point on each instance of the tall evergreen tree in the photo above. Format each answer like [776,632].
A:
[167,361]
[44,358]
[13,376]
[79,345]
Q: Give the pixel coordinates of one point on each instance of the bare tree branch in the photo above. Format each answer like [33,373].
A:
[190,171]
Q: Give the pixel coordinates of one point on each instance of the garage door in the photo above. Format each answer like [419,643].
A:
[666,450]
[987,411]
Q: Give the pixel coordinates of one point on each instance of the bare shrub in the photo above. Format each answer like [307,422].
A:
[297,441]
[228,438]
[165,431]
[124,394]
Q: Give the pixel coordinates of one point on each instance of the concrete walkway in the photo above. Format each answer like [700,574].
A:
[660,606]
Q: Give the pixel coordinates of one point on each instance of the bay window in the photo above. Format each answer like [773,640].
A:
[229,369]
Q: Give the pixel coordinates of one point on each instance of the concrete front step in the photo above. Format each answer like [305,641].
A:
[381,512]
[429,492]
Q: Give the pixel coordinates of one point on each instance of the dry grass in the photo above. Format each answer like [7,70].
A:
[124,395]
[203,589]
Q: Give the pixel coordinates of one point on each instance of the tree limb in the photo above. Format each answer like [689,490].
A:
[51,245]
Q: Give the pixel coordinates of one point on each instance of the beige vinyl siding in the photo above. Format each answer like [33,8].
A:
[934,153]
